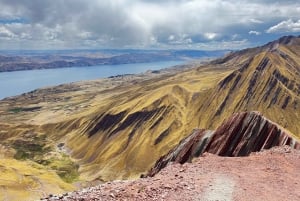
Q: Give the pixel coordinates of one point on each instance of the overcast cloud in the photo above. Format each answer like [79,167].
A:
[195,24]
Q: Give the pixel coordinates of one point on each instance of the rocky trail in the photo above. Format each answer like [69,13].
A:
[268,175]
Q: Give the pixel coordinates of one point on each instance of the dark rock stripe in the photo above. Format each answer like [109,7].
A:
[240,135]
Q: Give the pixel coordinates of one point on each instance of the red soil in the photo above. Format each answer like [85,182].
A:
[269,175]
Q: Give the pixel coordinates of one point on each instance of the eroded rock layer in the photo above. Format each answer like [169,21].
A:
[240,135]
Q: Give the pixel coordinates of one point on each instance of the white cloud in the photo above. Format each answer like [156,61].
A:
[183,39]
[257,33]
[171,37]
[210,36]
[235,44]
[140,23]
[256,21]
[85,35]
[285,26]
[235,36]
[5,33]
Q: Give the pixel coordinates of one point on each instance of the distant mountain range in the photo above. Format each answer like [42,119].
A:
[30,60]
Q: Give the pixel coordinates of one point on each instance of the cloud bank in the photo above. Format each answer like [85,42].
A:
[205,24]
[287,26]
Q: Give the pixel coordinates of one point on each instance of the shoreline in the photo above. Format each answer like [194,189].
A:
[70,80]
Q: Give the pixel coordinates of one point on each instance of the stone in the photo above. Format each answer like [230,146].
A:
[240,135]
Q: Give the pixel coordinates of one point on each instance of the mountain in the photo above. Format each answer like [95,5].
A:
[142,123]
[240,135]
[33,60]
[118,127]
[266,79]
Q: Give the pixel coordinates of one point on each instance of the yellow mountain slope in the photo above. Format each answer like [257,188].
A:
[267,81]
[123,138]
[21,180]
[137,126]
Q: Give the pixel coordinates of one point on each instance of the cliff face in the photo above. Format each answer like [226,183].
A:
[248,132]
[240,135]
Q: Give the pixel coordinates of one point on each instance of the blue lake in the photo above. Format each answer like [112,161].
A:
[18,82]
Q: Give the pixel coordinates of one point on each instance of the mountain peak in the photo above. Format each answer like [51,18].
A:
[265,78]
[285,40]
[236,56]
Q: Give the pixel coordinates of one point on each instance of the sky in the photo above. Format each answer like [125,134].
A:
[145,24]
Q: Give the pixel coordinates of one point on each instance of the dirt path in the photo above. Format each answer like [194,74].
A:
[221,188]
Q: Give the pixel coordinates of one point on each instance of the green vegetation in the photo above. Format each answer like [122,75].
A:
[15,110]
[32,149]
[36,149]
[65,168]
[21,109]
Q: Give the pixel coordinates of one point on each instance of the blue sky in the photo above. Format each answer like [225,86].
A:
[147,24]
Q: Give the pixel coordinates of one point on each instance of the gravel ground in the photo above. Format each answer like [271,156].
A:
[269,175]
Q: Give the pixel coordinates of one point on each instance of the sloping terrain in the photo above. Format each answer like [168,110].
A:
[267,80]
[117,128]
[271,175]
[23,180]
[143,123]
[240,135]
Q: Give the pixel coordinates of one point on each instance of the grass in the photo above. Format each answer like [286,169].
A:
[37,148]
[31,149]
[66,169]
[35,179]
[16,110]
[23,109]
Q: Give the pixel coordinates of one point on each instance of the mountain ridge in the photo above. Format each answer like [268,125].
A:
[266,73]
[240,135]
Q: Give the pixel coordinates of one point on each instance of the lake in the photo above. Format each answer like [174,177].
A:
[18,82]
